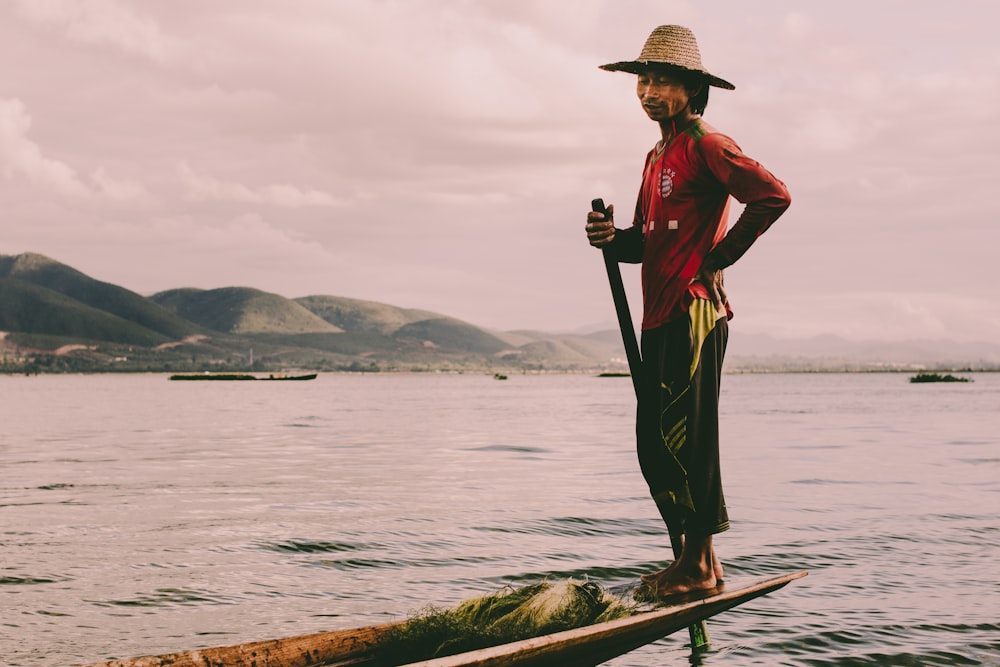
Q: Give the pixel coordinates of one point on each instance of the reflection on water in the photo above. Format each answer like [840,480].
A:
[143,516]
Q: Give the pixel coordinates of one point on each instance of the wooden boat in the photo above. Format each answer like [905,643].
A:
[239,376]
[582,647]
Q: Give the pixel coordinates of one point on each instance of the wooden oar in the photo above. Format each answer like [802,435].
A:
[621,307]
[697,631]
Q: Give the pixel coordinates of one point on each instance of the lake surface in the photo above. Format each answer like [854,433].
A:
[140,516]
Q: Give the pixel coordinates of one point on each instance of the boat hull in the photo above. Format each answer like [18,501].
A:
[590,645]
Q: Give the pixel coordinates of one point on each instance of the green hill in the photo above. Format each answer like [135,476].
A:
[566,351]
[448,333]
[357,316]
[45,272]
[31,309]
[242,310]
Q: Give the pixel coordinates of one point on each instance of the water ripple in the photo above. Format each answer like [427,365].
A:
[577,526]
[168,597]
[29,580]
[516,449]
[316,546]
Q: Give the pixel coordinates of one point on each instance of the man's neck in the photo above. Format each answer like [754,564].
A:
[671,127]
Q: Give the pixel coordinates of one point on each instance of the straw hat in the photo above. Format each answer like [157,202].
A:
[671,46]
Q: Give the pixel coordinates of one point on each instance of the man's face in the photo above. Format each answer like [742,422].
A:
[662,95]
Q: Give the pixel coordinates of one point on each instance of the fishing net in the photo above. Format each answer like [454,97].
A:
[506,616]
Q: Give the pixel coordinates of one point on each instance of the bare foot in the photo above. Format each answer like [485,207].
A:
[656,576]
[679,580]
[685,574]
[650,578]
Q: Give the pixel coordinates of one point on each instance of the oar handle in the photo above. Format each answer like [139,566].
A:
[621,306]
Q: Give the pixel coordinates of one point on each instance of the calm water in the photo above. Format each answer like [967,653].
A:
[144,516]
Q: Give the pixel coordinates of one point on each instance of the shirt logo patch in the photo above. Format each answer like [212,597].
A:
[667,182]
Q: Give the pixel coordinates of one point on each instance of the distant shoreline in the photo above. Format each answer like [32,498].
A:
[517,372]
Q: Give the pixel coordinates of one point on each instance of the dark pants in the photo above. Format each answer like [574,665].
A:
[677,421]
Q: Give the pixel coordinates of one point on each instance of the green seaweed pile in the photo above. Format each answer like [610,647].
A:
[506,616]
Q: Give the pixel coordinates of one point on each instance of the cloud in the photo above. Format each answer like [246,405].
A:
[144,255]
[116,189]
[200,187]
[19,155]
[103,22]
[798,26]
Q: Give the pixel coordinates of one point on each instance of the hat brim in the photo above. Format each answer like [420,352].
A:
[640,66]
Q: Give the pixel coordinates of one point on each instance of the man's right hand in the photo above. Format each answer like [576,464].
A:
[600,227]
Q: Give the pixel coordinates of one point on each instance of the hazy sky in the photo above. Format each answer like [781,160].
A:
[442,154]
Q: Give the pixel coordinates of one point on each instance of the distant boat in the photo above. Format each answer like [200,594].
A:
[240,376]
[937,377]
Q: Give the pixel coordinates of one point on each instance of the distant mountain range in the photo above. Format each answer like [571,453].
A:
[54,318]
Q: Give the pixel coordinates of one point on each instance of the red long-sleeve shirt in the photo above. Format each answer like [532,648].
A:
[681,216]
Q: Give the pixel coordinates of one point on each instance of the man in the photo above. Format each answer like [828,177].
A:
[679,235]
